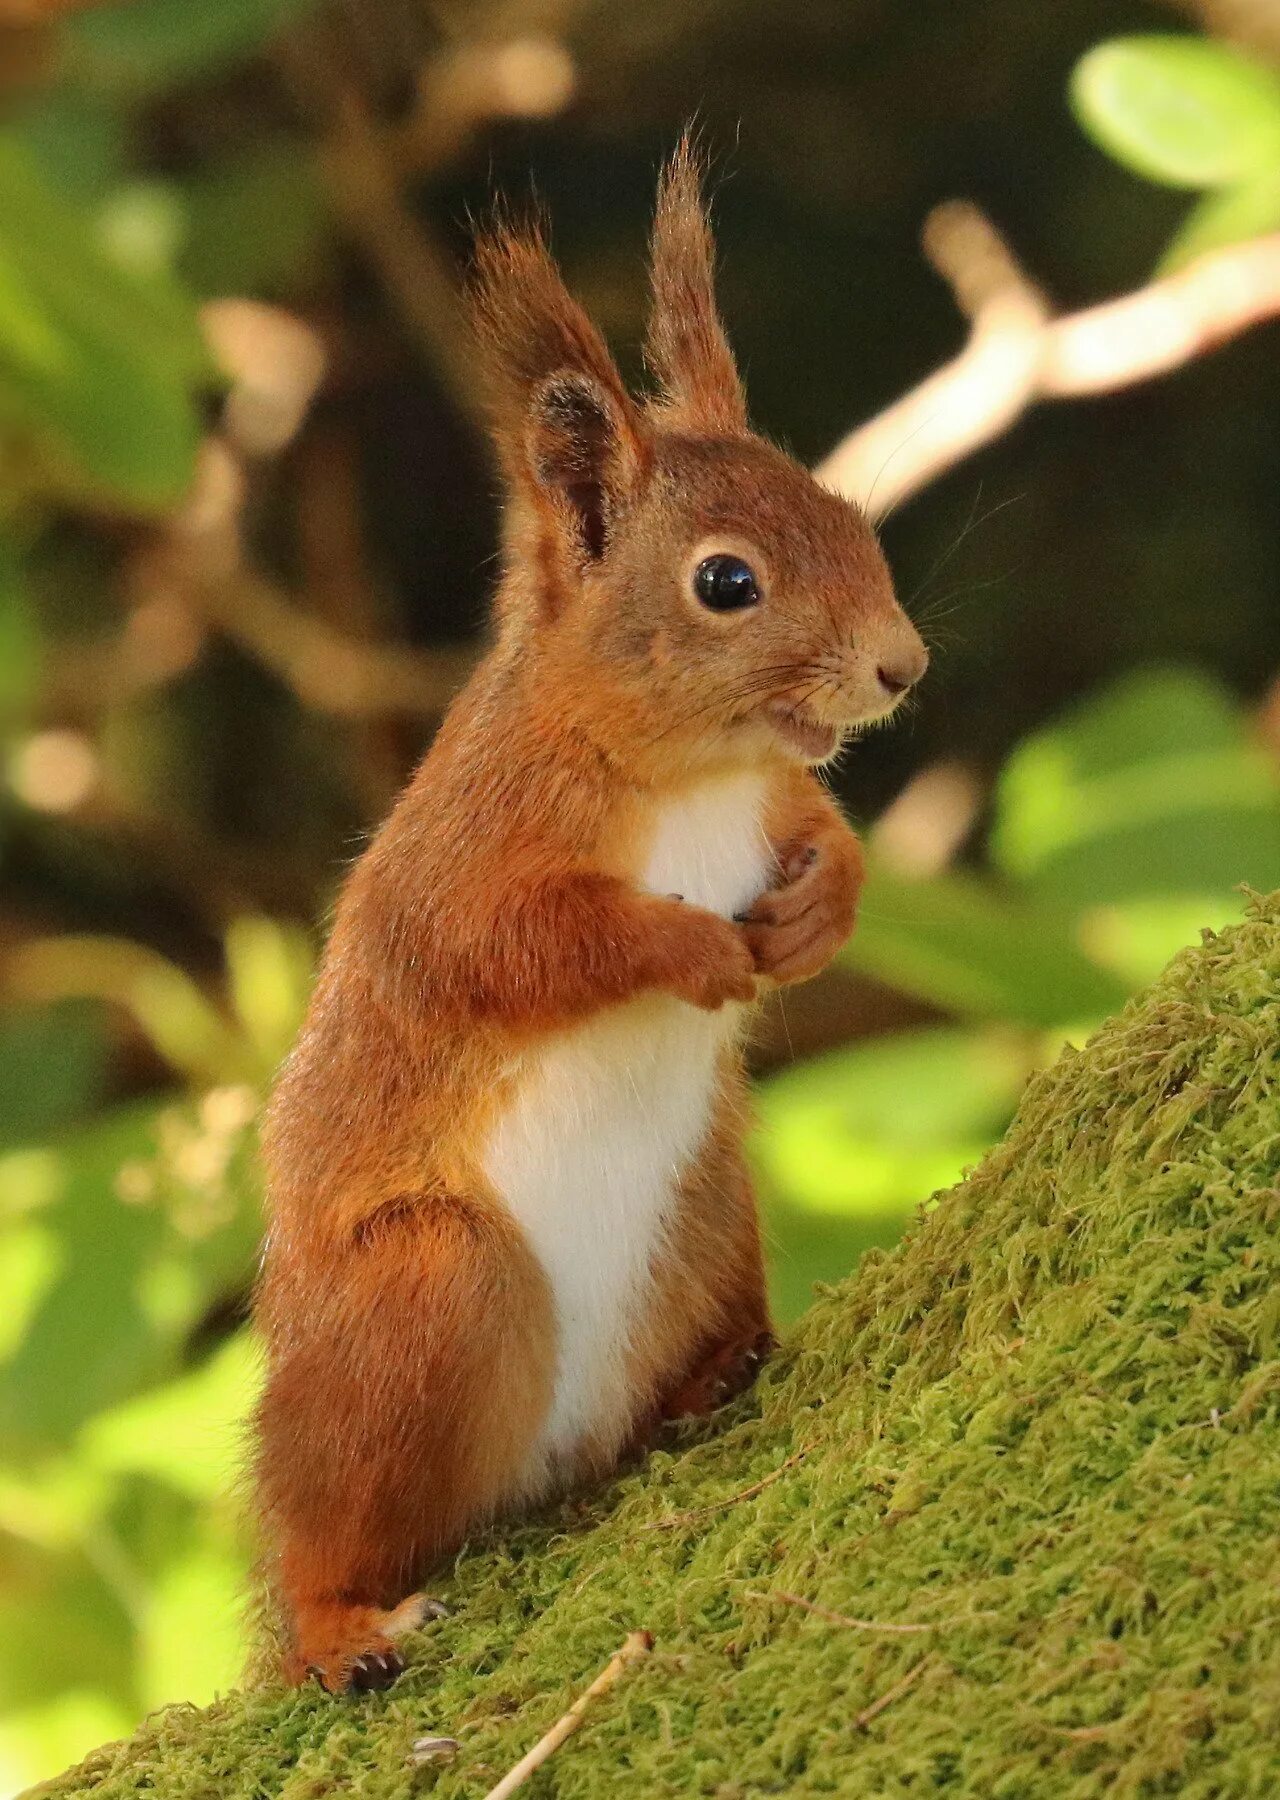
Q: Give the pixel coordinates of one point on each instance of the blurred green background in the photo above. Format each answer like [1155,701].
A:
[247,522]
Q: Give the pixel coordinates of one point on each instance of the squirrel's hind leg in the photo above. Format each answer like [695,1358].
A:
[408,1373]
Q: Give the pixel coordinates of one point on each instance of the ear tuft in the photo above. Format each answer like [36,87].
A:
[686,347]
[573,441]
[528,326]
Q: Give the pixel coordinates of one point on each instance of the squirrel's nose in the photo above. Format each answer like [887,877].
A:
[903,669]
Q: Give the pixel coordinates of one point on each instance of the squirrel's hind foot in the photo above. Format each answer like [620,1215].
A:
[727,1371]
[352,1648]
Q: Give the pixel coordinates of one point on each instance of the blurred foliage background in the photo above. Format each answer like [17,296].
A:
[247,523]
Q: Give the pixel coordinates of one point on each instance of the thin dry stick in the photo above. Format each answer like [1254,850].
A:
[636,1648]
[835,1618]
[706,1512]
[863,1719]
[1018,353]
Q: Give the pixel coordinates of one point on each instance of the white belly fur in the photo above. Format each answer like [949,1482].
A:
[606,1118]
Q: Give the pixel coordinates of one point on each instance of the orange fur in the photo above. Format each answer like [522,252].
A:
[412,1335]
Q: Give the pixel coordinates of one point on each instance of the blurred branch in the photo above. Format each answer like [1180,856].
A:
[199,562]
[1253,23]
[276,363]
[85,679]
[463,89]
[1162,326]
[973,398]
[336,573]
[414,272]
[200,556]
[923,828]
[192,576]
[1018,353]
[328,669]
[193,573]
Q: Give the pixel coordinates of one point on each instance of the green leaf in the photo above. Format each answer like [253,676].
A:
[961,944]
[849,1144]
[886,1122]
[138,46]
[19,641]
[55,1058]
[256,224]
[88,1342]
[70,1577]
[1152,788]
[51,1734]
[188,1433]
[207,1583]
[1230,217]
[80,142]
[32,1258]
[1139,937]
[269,966]
[1185,111]
[61,244]
[98,364]
[155,1219]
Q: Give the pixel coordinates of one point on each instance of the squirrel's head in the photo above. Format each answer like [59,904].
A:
[691,592]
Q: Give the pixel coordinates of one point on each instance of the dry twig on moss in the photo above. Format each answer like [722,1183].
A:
[862,1719]
[836,1618]
[636,1648]
[676,1520]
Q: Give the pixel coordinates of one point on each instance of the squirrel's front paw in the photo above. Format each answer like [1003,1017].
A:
[793,931]
[709,962]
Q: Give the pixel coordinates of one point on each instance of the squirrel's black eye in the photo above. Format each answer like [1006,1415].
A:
[725,583]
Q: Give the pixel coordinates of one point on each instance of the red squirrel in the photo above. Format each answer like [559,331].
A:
[512,1224]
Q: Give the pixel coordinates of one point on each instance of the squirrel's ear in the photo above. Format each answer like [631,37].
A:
[686,347]
[583,455]
[573,441]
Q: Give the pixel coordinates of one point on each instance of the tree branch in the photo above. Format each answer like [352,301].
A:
[1018,353]
[327,669]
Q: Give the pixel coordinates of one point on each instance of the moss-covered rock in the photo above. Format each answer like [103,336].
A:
[1031,1458]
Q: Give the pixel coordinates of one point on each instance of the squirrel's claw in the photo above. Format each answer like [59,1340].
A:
[375,1669]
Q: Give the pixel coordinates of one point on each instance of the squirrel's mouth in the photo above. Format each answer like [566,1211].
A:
[801,732]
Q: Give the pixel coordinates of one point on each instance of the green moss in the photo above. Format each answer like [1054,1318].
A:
[1046,1428]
